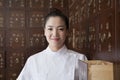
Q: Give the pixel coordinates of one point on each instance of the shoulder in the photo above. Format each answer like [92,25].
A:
[78,55]
[36,56]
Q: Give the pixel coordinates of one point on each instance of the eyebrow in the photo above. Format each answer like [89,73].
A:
[57,26]
[49,26]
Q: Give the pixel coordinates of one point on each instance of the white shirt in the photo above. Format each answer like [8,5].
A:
[49,65]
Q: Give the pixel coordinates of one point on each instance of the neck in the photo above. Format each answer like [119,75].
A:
[55,48]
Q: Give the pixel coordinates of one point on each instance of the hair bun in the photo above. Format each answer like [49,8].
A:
[55,10]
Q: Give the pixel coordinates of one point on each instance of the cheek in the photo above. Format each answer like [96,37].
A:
[45,32]
[64,35]
[47,35]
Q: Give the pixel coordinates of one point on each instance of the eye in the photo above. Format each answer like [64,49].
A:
[50,29]
[61,29]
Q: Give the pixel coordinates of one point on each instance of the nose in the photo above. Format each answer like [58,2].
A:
[55,33]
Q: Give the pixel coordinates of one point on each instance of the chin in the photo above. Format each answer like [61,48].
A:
[57,45]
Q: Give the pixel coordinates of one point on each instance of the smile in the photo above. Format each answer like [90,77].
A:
[55,39]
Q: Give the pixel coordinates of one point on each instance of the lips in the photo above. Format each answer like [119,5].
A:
[55,39]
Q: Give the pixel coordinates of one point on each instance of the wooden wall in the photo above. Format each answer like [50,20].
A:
[95,29]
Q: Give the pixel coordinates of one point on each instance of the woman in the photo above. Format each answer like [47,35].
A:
[56,62]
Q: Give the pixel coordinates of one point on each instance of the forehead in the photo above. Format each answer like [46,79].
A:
[55,20]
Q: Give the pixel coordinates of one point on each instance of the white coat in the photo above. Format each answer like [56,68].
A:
[49,65]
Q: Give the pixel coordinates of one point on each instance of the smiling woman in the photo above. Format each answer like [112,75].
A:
[55,32]
[56,62]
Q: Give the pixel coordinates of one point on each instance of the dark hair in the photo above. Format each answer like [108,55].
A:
[56,12]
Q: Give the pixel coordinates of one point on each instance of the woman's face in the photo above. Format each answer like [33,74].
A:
[55,31]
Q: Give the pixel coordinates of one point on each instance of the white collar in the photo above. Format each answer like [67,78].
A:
[59,52]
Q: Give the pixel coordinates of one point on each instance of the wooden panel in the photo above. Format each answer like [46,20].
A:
[77,18]
[105,48]
[36,19]
[2,74]
[2,4]
[106,32]
[71,3]
[2,19]
[2,59]
[117,29]
[16,4]
[83,9]
[21,34]
[56,3]
[2,65]
[106,4]
[15,58]
[36,4]
[16,39]
[118,4]
[16,19]
[117,41]
[60,4]
[2,39]
[99,30]
[36,38]
[11,74]
[92,37]
[69,39]
[15,61]
[102,19]
[36,41]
